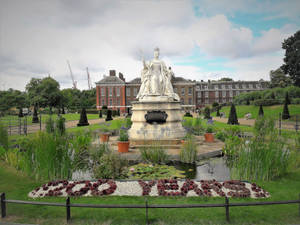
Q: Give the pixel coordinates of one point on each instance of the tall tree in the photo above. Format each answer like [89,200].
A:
[232,119]
[291,60]
[279,79]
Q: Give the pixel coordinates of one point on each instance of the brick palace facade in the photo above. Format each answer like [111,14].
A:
[114,92]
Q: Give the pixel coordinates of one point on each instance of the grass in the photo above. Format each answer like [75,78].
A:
[17,186]
[14,120]
[269,111]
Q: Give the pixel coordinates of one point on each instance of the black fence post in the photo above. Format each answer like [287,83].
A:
[3,206]
[299,204]
[227,209]
[68,209]
[147,221]
[279,125]
[40,121]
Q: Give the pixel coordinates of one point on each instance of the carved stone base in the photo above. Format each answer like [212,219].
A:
[169,130]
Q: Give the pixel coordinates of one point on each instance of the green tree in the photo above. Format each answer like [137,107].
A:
[232,119]
[279,79]
[226,79]
[44,92]
[292,57]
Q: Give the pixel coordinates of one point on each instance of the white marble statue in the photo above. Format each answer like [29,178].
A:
[156,79]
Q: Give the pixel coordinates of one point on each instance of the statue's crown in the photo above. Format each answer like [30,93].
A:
[156,49]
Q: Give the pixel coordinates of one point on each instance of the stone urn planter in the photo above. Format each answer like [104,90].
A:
[123,146]
[104,137]
[209,136]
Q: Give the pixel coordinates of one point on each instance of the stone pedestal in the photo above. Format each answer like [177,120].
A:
[168,130]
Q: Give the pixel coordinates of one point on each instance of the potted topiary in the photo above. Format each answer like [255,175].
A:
[105,133]
[123,143]
[209,136]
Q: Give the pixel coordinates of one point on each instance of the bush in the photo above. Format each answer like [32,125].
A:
[83,121]
[100,114]
[111,166]
[197,126]
[295,101]
[188,153]
[267,102]
[188,114]
[207,113]
[261,111]
[92,111]
[209,129]
[232,119]
[154,154]
[221,136]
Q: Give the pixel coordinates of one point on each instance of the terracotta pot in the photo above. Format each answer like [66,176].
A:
[123,146]
[104,137]
[209,137]
[182,141]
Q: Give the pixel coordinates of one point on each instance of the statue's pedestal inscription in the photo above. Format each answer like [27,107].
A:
[168,130]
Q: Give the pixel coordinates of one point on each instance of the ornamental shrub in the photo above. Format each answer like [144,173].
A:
[108,116]
[83,121]
[100,114]
[287,99]
[285,113]
[207,113]
[35,118]
[20,112]
[232,119]
[60,125]
[261,111]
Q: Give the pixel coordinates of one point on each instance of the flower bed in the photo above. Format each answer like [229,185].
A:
[163,187]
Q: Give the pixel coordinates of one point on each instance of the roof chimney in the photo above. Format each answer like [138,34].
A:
[112,73]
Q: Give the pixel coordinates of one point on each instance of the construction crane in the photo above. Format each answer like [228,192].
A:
[89,79]
[73,81]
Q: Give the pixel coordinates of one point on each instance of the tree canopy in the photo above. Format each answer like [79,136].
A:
[291,60]
[279,79]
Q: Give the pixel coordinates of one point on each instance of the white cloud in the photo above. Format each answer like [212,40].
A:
[37,37]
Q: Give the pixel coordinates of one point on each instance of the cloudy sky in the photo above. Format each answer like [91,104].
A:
[199,39]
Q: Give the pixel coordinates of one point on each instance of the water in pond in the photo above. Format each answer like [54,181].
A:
[214,168]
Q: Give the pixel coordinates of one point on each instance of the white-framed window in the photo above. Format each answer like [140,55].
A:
[135,91]
[216,87]
[230,86]
[244,86]
[110,91]
[190,91]
[199,94]
[224,100]
[233,86]
[230,94]
[110,101]
[128,92]
[182,91]
[190,101]
[206,94]
[182,101]
[237,92]
[223,86]
[206,101]
[103,91]
[223,94]
[251,86]
[254,86]
[118,102]
[216,94]
[103,102]
[118,91]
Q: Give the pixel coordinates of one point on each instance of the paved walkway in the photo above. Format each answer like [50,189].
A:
[204,149]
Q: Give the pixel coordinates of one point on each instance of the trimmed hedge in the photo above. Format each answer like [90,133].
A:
[267,102]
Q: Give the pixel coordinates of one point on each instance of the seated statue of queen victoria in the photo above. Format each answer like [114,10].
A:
[156,79]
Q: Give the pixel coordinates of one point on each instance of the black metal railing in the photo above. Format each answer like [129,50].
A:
[146,206]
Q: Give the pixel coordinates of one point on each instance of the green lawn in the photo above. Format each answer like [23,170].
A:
[17,186]
[270,111]
[14,120]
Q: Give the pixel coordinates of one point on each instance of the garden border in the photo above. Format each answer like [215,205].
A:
[68,205]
